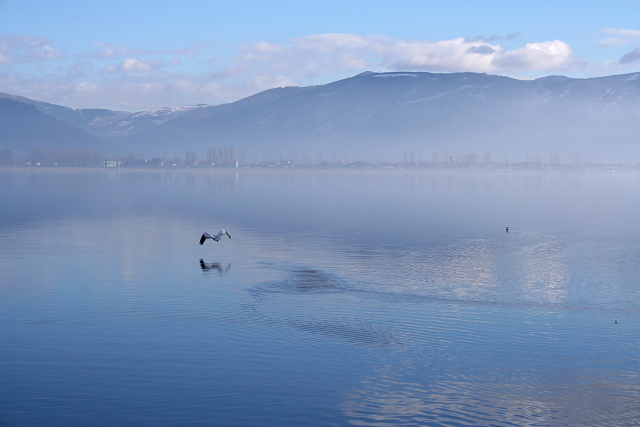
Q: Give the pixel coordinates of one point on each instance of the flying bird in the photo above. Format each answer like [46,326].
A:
[217,237]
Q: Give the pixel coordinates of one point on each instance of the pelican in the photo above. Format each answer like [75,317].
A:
[217,237]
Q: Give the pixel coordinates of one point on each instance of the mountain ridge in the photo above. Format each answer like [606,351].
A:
[453,112]
[373,114]
[25,128]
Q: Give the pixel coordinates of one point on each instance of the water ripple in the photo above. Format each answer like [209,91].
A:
[458,361]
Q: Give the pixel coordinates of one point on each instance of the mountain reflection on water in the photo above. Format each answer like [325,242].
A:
[355,298]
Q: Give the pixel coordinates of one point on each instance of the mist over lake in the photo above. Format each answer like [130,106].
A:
[344,297]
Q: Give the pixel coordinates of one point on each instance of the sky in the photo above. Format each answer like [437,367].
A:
[140,55]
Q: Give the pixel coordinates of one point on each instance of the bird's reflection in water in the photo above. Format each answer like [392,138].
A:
[214,266]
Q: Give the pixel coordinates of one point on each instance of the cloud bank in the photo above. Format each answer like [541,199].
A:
[21,49]
[623,37]
[325,53]
[134,65]
[125,77]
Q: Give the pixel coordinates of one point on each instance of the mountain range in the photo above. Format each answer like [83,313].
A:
[368,116]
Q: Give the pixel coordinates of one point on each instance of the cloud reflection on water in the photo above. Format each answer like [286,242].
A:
[388,401]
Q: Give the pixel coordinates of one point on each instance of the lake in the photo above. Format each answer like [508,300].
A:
[344,297]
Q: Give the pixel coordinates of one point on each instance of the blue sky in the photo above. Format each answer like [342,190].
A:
[140,55]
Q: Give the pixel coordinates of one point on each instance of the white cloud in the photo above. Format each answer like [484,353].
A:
[125,91]
[613,41]
[554,55]
[625,36]
[623,32]
[135,81]
[329,53]
[107,51]
[18,49]
[134,65]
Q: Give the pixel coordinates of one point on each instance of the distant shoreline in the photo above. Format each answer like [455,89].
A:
[546,169]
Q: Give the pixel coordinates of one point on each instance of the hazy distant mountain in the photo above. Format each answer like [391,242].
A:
[110,124]
[449,114]
[452,114]
[89,120]
[105,123]
[24,128]
[265,97]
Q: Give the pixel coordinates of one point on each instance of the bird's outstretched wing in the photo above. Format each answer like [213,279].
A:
[204,237]
[220,234]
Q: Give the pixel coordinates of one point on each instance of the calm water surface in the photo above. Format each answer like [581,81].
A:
[369,298]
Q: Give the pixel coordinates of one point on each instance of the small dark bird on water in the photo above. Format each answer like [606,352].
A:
[217,237]
[507,229]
